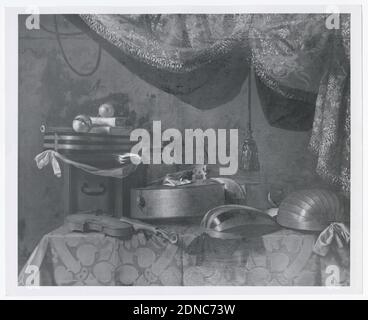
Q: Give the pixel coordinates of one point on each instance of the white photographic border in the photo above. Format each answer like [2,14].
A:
[173,292]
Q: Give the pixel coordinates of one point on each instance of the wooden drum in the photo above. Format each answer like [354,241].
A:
[192,200]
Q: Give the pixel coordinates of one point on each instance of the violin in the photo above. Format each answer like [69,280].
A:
[114,227]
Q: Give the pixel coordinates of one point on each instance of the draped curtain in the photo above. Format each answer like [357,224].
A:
[202,59]
[301,68]
[330,139]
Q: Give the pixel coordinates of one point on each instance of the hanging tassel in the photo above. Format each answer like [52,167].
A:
[249,154]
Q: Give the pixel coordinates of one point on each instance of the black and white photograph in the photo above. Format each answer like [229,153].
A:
[178,148]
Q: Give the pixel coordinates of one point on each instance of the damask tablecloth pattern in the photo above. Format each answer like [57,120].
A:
[93,259]
[282,258]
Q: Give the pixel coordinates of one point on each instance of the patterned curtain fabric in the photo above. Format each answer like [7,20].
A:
[303,77]
[301,68]
[330,139]
[202,59]
[288,53]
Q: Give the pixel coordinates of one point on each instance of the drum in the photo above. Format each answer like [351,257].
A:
[191,200]
[91,148]
[66,141]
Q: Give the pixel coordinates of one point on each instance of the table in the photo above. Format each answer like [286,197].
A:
[282,258]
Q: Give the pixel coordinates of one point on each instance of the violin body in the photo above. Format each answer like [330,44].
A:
[85,222]
[122,228]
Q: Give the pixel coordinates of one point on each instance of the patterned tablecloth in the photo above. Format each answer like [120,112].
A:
[282,258]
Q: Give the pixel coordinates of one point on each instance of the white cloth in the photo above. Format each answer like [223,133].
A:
[336,232]
[51,156]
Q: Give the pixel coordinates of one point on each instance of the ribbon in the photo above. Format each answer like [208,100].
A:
[335,233]
[51,156]
[44,158]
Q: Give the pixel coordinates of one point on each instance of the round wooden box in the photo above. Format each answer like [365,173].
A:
[192,200]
